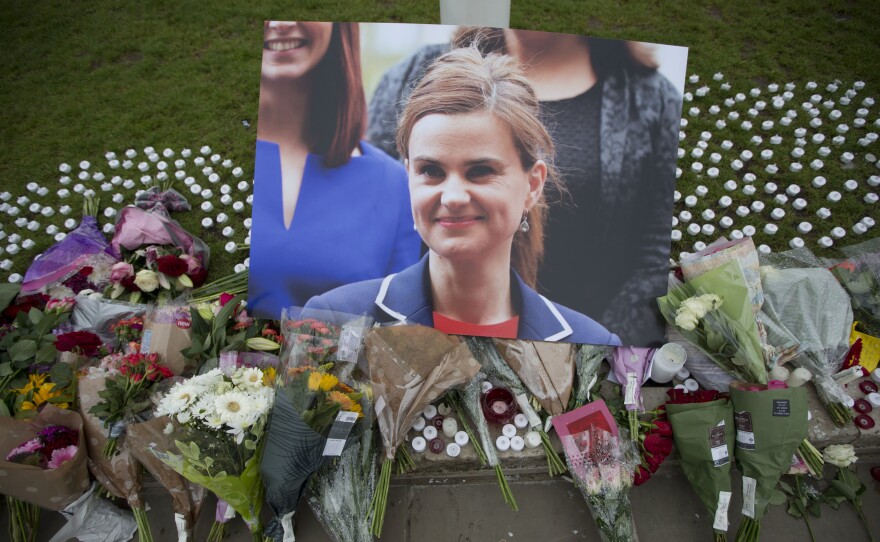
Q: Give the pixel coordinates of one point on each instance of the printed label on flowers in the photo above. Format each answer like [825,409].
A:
[631,383]
[523,401]
[749,485]
[339,432]
[745,438]
[350,341]
[781,407]
[718,446]
[146,337]
[721,512]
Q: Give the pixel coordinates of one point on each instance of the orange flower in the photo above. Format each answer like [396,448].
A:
[344,401]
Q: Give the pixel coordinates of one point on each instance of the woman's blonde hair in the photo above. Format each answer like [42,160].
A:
[465,81]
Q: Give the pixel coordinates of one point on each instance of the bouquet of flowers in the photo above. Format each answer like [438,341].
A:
[721,323]
[860,275]
[631,368]
[159,259]
[588,361]
[703,429]
[78,262]
[410,367]
[654,439]
[218,426]
[162,193]
[45,464]
[602,465]
[770,426]
[321,407]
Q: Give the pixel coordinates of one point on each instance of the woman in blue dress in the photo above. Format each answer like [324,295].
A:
[329,209]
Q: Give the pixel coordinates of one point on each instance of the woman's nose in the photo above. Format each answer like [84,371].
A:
[282,26]
[455,192]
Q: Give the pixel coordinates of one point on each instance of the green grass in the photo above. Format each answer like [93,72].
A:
[82,78]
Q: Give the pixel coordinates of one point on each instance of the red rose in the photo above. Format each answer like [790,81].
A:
[128,284]
[85,271]
[657,445]
[662,428]
[171,265]
[704,396]
[678,396]
[642,476]
[25,304]
[82,342]
[198,277]
[654,461]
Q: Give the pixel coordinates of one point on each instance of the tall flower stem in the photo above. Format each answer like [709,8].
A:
[806,515]
[24,518]
[143,525]
[849,478]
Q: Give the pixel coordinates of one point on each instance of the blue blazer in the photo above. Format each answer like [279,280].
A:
[406,297]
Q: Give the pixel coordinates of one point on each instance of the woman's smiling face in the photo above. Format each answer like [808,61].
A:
[293,49]
[468,188]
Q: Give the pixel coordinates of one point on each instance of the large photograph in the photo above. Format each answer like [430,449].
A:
[502,183]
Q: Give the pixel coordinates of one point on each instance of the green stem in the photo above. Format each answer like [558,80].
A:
[143,525]
[380,498]
[478,449]
[505,489]
[554,463]
[800,493]
[858,506]
[110,447]
[218,532]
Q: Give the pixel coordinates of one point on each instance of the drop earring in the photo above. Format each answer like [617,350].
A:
[524,225]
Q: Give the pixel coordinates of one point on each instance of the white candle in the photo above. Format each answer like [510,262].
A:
[859,228]
[746,125]
[777,214]
[819,181]
[742,211]
[247,224]
[206,150]
[517,443]
[770,229]
[870,198]
[215,158]
[772,169]
[675,235]
[726,145]
[796,242]
[752,112]
[785,121]
[780,199]
[764,249]
[667,361]
[450,427]
[766,154]
[430,432]
[213,178]
[195,189]
[749,230]
[749,190]
[117,198]
[207,193]
[825,242]
[757,206]
[874,180]
[697,167]
[222,218]
[838,232]
[847,157]
[767,125]
[779,373]
[799,377]
[823,213]
[726,222]
[693,229]
[709,229]
[833,196]
[462,438]
[851,185]
[225,199]
[239,268]
[429,412]
[816,122]
[736,165]
[199,161]
[770,188]
[712,172]
[502,443]
[207,171]
[746,155]
[699,245]
[228,231]
[805,227]
[868,222]
[685,216]
[508,430]
[243,186]
[715,158]
[419,444]
[725,201]
[793,190]
[207,222]
[730,185]
[756,140]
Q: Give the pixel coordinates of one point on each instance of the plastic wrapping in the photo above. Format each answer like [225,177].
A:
[321,408]
[136,227]
[546,369]
[93,519]
[167,332]
[218,429]
[53,489]
[718,255]
[708,374]
[83,247]
[170,199]
[860,275]
[470,395]
[341,493]
[602,466]
[588,360]
[98,315]
[411,367]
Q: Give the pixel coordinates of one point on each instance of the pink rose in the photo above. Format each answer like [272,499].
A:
[192,263]
[120,271]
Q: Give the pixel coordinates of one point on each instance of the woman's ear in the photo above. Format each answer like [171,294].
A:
[537,177]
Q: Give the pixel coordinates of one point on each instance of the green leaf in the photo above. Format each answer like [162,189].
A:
[5,369]
[46,354]
[794,510]
[787,488]
[777,498]
[845,489]
[250,445]
[7,294]
[23,350]
[61,374]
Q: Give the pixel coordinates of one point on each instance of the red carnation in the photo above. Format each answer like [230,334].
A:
[128,284]
[171,265]
[84,343]
[25,304]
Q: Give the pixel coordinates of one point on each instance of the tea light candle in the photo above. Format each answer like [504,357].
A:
[756,140]
[715,158]
[779,373]
[430,411]
[708,230]
[771,229]
[195,189]
[726,222]
[847,157]
[796,242]
[508,430]
[699,245]
[868,222]
[697,152]
[770,188]
[851,185]
[450,427]
[785,121]
[243,186]
[429,432]
[207,193]
[742,211]
[874,180]
[777,214]
[215,158]
[520,421]
[207,222]
[825,242]
[228,231]
[749,190]
[859,228]
[736,165]
[838,232]
[419,444]
[793,190]
[816,122]
[766,154]
[871,198]
[712,172]
[502,443]
[823,213]
[697,167]
[694,229]
[780,199]
[532,439]
[730,185]
[462,438]
[213,178]
[725,201]
[690,201]
[799,377]
[757,206]
[207,171]
[701,190]
[772,169]
[225,199]
[746,155]
[749,230]
[833,196]
[752,112]
[675,235]
[819,182]
[842,129]
[247,224]
[726,145]
[805,227]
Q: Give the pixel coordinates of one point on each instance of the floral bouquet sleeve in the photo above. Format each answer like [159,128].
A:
[217,436]
[410,367]
[703,430]
[321,408]
[770,426]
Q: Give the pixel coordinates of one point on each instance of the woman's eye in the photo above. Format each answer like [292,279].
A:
[480,171]
[431,171]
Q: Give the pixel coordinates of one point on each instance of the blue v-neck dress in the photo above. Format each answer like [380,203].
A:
[351,223]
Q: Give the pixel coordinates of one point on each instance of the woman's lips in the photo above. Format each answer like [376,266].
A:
[288,44]
[456,222]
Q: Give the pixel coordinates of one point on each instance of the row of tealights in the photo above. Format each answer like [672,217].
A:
[16,244]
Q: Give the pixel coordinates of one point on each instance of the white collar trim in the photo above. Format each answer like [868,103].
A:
[566,329]
[380,299]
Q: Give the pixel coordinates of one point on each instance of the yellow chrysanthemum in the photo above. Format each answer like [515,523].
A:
[269,376]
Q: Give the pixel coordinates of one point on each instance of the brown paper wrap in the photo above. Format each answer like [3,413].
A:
[169,333]
[51,489]
[411,367]
[121,475]
[186,497]
[546,369]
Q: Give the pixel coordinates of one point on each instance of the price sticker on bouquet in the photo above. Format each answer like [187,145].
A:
[146,339]
[339,431]
[745,438]
[632,382]
[350,341]
[718,445]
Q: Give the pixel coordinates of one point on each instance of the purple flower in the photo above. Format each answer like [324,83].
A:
[62,456]
[28,447]
[56,436]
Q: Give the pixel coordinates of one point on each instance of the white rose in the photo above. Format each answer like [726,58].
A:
[686,320]
[710,301]
[840,455]
[146,280]
[694,306]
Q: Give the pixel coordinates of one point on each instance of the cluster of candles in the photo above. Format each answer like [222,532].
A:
[767,164]
[85,180]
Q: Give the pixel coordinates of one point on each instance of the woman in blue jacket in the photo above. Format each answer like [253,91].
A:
[329,209]
[479,161]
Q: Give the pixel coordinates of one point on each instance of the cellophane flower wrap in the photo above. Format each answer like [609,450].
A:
[860,275]
[703,430]
[602,466]
[159,259]
[714,312]
[809,303]
[410,367]
[526,368]
[588,362]
[321,407]
[217,429]
[770,426]
[631,367]
[341,492]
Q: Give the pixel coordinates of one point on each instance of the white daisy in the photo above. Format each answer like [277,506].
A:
[249,378]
